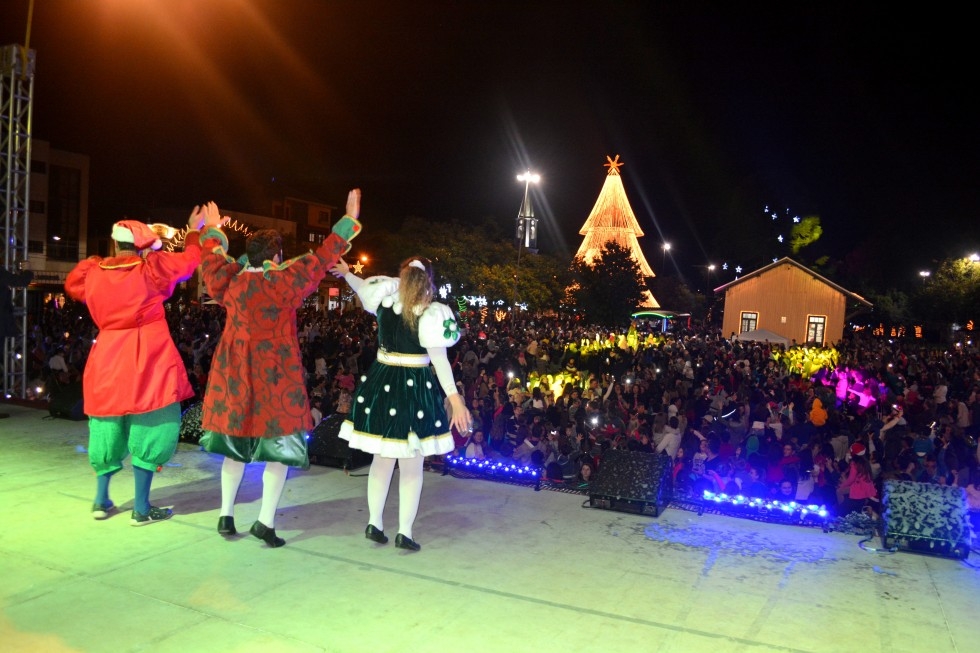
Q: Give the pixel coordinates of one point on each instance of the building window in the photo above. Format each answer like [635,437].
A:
[37,206]
[324,217]
[749,322]
[35,247]
[815,325]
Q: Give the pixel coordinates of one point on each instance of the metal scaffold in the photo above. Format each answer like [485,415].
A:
[16,98]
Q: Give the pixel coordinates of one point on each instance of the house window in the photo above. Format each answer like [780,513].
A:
[750,322]
[815,325]
[324,217]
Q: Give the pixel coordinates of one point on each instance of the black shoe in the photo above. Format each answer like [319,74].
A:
[407,543]
[266,534]
[152,517]
[226,525]
[372,533]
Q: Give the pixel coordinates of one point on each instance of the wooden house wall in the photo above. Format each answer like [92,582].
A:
[786,291]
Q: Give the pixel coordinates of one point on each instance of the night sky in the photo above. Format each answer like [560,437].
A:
[861,115]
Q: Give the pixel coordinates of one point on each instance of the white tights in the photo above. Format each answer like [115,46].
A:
[273,482]
[409,491]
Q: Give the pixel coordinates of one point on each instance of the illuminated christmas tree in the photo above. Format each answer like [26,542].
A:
[612,218]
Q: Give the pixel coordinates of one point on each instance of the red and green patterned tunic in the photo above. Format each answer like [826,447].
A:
[256,387]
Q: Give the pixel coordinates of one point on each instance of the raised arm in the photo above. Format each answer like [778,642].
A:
[342,271]
[344,230]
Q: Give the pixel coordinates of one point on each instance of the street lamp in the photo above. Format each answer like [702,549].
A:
[666,248]
[974,257]
[924,274]
[527,230]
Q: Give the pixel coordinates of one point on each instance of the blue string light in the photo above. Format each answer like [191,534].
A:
[782,511]
[493,468]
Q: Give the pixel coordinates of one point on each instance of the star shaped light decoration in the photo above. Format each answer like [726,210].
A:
[357,267]
[614,165]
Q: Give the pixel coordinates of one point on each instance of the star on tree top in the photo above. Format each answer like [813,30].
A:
[357,267]
[613,165]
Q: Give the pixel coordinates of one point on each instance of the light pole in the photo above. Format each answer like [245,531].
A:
[527,231]
[663,263]
[925,275]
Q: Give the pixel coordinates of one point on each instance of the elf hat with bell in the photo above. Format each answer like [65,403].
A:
[134,231]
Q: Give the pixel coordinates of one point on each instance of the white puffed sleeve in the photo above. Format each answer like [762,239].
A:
[437,331]
[373,291]
[438,327]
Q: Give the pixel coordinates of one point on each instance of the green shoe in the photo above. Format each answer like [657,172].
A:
[104,510]
[155,515]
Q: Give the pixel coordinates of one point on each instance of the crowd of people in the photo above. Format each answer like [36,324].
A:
[727,414]
[550,391]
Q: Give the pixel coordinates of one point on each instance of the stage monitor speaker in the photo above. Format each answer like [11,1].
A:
[327,448]
[66,402]
[926,518]
[632,481]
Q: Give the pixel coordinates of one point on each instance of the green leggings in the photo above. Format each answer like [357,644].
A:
[151,438]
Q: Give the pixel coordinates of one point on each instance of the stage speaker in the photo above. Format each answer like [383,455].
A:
[66,402]
[327,448]
[926,518]
[632,481]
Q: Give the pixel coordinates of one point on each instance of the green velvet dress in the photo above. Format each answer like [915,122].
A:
[398,410]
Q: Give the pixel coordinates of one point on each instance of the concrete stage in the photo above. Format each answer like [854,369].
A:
[502,568]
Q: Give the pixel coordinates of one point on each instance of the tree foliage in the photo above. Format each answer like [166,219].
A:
[952,293]
[675,294]
[805,232]
[611,288]
[475,259]
[891,307]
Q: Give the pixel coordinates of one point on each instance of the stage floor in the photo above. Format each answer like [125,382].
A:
[502,568]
